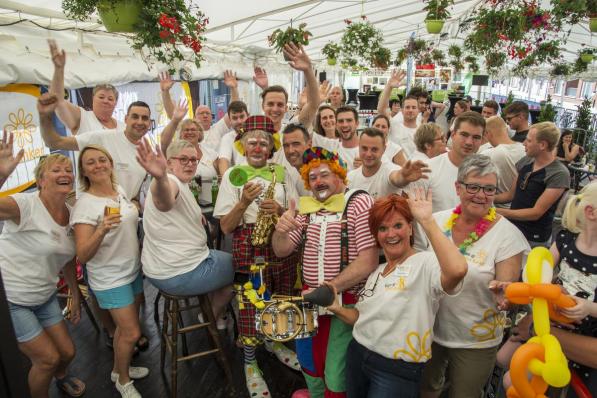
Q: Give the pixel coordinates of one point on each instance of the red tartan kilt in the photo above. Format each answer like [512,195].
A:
[279,277]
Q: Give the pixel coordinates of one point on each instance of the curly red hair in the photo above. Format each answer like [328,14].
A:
[314,163]
[385,207]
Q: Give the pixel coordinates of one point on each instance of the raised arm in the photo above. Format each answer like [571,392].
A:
[545,201]
[260,77]
[8,162]
[166,84]
[452,263]
[299,60]
[46,105]
[67,112]
[384,99]
[358,270]
[178,114]
[163,191]
[411,172]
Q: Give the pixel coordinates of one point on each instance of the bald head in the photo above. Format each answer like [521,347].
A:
[203,116]
[496,130]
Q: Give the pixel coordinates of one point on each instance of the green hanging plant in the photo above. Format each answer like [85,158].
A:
[560,69]
[381,57]
[279,38]
[401,56]
[425,59]
[359,40]
[494,61]
[438,57]
[471,61]
[437,9]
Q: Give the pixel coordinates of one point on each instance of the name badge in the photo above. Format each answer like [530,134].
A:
[122,166]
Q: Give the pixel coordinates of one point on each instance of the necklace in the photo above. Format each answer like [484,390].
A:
[480,229]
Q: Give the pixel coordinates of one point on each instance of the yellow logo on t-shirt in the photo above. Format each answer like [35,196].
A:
[418,350]
[486,329]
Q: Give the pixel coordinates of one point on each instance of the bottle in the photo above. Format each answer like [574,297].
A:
[214,190]
[195,187]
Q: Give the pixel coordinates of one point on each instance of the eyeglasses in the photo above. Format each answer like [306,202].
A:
[366,293]
[488,190]
[525,181]
[184,160]
[442,139]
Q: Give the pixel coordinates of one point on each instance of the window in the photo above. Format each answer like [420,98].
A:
[571,88]
[587,90]
[558,87]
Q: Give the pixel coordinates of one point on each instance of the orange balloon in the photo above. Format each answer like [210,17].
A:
[521,387]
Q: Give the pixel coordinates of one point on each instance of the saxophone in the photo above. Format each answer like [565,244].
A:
[265,223]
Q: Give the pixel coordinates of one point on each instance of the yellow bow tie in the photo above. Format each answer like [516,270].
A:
[334,204]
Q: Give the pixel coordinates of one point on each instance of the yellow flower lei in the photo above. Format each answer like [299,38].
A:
[480,229]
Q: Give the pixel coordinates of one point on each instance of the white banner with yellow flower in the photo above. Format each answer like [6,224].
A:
[18,114]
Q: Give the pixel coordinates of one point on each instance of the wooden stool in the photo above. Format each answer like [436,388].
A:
[172,327]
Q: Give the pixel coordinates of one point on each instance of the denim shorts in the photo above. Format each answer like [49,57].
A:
[29,321]
[214,272]
[121,296]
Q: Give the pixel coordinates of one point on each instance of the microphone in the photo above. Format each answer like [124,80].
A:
[322,296]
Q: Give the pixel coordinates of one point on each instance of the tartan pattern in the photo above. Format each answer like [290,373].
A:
[258,122]
[279,277]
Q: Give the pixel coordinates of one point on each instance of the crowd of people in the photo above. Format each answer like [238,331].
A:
[417,231]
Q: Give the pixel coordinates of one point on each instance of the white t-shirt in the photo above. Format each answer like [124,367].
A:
[392,149]
[129,173]
[213,136]
[378,184]
[505,157]
[207,171]
[33,252]
[116,262]
[89,122]
[441,179]
[417,155]
[331,144]
[471,319]
[348,155]
[292,174]
[229,196]
[403,136]
[397,320]
[227,150]
[175,241]
[484,147]
[399,119]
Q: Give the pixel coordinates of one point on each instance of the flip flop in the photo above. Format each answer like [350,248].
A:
[71,385]
[143,343]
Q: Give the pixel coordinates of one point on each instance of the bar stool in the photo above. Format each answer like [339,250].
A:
[173,326]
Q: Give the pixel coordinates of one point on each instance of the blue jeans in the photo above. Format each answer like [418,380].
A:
[211,274]
[370,375]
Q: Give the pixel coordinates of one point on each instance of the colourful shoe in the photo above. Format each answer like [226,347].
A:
[304,393]
[255,384]
[135,373]
[284,354]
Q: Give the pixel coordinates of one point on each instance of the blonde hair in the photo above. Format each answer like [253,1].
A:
[46,161]
[548,132]
[573,218]
[184,124]
[176,147]
[496,123]
[83,179]
[425,134]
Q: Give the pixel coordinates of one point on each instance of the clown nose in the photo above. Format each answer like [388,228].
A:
[323,296]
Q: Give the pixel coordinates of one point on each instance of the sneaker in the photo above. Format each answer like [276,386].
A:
[128,390]
[284,354]
[135,373]
[255,384]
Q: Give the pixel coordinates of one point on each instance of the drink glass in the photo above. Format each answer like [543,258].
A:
[112,207]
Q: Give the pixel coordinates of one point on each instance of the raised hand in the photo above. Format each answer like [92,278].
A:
[287,221]
[299,59]
[303,99]
[260,77]
[153,162]
[47,103]
[420,204]
[324,91]
[396,78]
[58,56]
[8,162]
[414,171]
[251,191]
[166,81]
[230,79]
[180,110]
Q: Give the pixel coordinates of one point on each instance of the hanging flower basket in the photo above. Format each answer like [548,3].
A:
[593,24]
[279,38]
[120,16]
[586,58]
[434,26]
[331,61]
[331,51]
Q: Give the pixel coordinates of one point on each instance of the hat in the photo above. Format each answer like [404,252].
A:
[314,154]
[253,123]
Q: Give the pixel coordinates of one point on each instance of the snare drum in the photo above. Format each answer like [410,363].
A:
[286,320]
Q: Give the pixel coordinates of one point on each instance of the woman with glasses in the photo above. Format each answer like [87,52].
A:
[393,319]
[175,255]
[105,228]
[469,326]
[35,246]
[77,119]
[394,152]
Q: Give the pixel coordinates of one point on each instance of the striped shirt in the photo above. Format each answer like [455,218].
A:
[359,238]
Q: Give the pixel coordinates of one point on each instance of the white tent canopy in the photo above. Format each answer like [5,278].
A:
[237,37]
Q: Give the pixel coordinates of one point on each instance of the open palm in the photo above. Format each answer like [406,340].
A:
[8,162]
[396,78]
[153,162]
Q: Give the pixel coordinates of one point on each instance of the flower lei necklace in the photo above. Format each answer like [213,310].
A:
[480,229]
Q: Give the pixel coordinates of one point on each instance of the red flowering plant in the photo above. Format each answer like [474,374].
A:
[163,27]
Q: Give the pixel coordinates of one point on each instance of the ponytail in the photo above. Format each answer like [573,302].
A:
[573,216]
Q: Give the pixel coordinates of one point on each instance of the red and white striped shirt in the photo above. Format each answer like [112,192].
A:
[359,238]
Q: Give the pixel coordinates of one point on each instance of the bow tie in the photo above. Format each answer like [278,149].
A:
[241,174]
[334,204]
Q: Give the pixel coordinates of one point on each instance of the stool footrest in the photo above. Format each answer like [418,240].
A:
[190,328]
[197,355]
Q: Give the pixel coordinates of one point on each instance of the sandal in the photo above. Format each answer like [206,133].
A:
[71,386]
[143,343]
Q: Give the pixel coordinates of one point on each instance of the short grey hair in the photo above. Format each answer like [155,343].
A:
[480,165]
[176,147]
[257,134]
